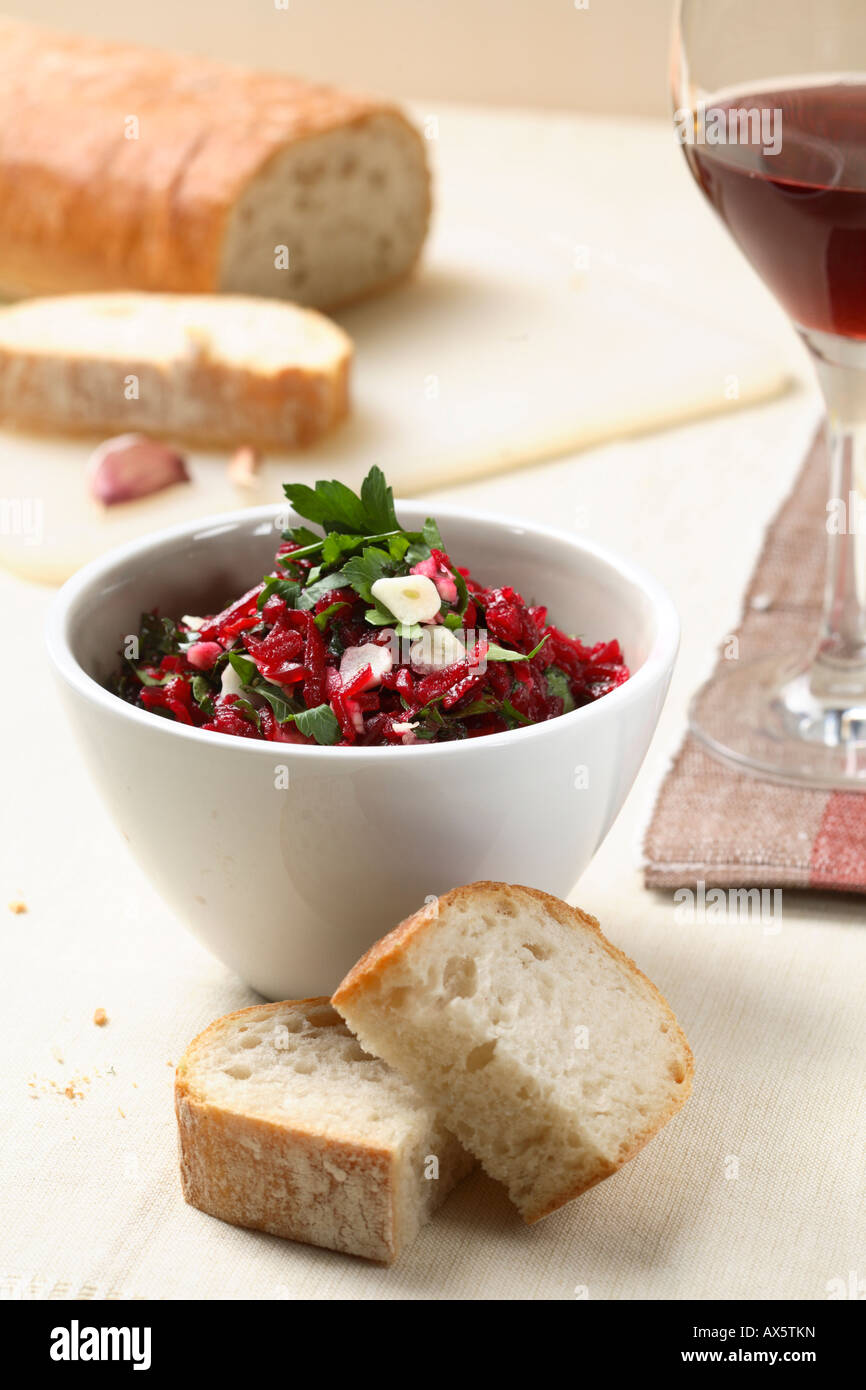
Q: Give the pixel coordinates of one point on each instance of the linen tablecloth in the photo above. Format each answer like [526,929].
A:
[755,1189]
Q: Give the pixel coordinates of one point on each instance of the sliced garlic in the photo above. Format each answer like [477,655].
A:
[231,683]
[192,622]
[354,659]
[435,648]
[412,598]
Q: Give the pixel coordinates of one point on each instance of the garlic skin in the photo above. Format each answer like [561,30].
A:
[412,598]
[435,648]
[354,659]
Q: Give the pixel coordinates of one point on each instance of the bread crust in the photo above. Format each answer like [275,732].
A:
[364,977]
[83,206]
[262,1175]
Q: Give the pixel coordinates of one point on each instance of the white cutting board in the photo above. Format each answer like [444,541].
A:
[504,350]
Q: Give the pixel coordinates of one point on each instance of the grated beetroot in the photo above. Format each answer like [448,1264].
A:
[283,654]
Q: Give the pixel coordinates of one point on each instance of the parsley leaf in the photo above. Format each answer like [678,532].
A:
[335,507]
[496,653]
[244,666]
[397,547]
[425,541]
[362,571]
[301,535]
[462,593]
[311,593]
[322,619]
[558,686]
[249,710]
[202,693]
[378,500]
[283,588]
[482,706]
[334,544]
[330,505]
[379,617]
[157,635]
[319,723]
[276,698]
[256,685]
[514,714]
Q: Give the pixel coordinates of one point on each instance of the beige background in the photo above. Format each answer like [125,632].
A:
[611,56]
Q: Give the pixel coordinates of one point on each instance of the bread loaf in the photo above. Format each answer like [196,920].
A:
[203,369]
[549,1054]
[127,168]
[286,1125]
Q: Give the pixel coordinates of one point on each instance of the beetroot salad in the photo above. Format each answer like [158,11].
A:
[365,634]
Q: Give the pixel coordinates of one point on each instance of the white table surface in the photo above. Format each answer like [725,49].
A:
[90,1204]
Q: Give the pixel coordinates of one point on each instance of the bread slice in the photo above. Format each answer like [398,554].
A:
[205,369]
[286,1125]
[551,1057]
[123,167]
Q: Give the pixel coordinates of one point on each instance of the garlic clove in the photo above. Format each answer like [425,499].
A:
[412,598]
[435,648]
[231,683]
[131,466]
[354,659]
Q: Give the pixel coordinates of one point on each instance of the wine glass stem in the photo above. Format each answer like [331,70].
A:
[841,656]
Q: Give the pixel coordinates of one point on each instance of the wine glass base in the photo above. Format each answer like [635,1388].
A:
[784,721]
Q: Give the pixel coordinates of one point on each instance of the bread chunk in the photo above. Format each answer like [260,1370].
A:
[286,1125]
[551,1057]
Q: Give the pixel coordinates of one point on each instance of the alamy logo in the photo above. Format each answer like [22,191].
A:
[759,126]
[702,905]
[77,1343]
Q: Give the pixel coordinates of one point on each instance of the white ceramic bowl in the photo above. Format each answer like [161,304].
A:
[289,885]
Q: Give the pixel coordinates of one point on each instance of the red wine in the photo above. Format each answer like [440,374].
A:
[799,214]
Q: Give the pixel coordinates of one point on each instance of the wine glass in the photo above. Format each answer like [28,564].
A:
[770,99]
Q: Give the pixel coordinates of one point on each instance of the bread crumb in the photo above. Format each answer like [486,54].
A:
[17,906]
[72,1089]
[100,1018]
